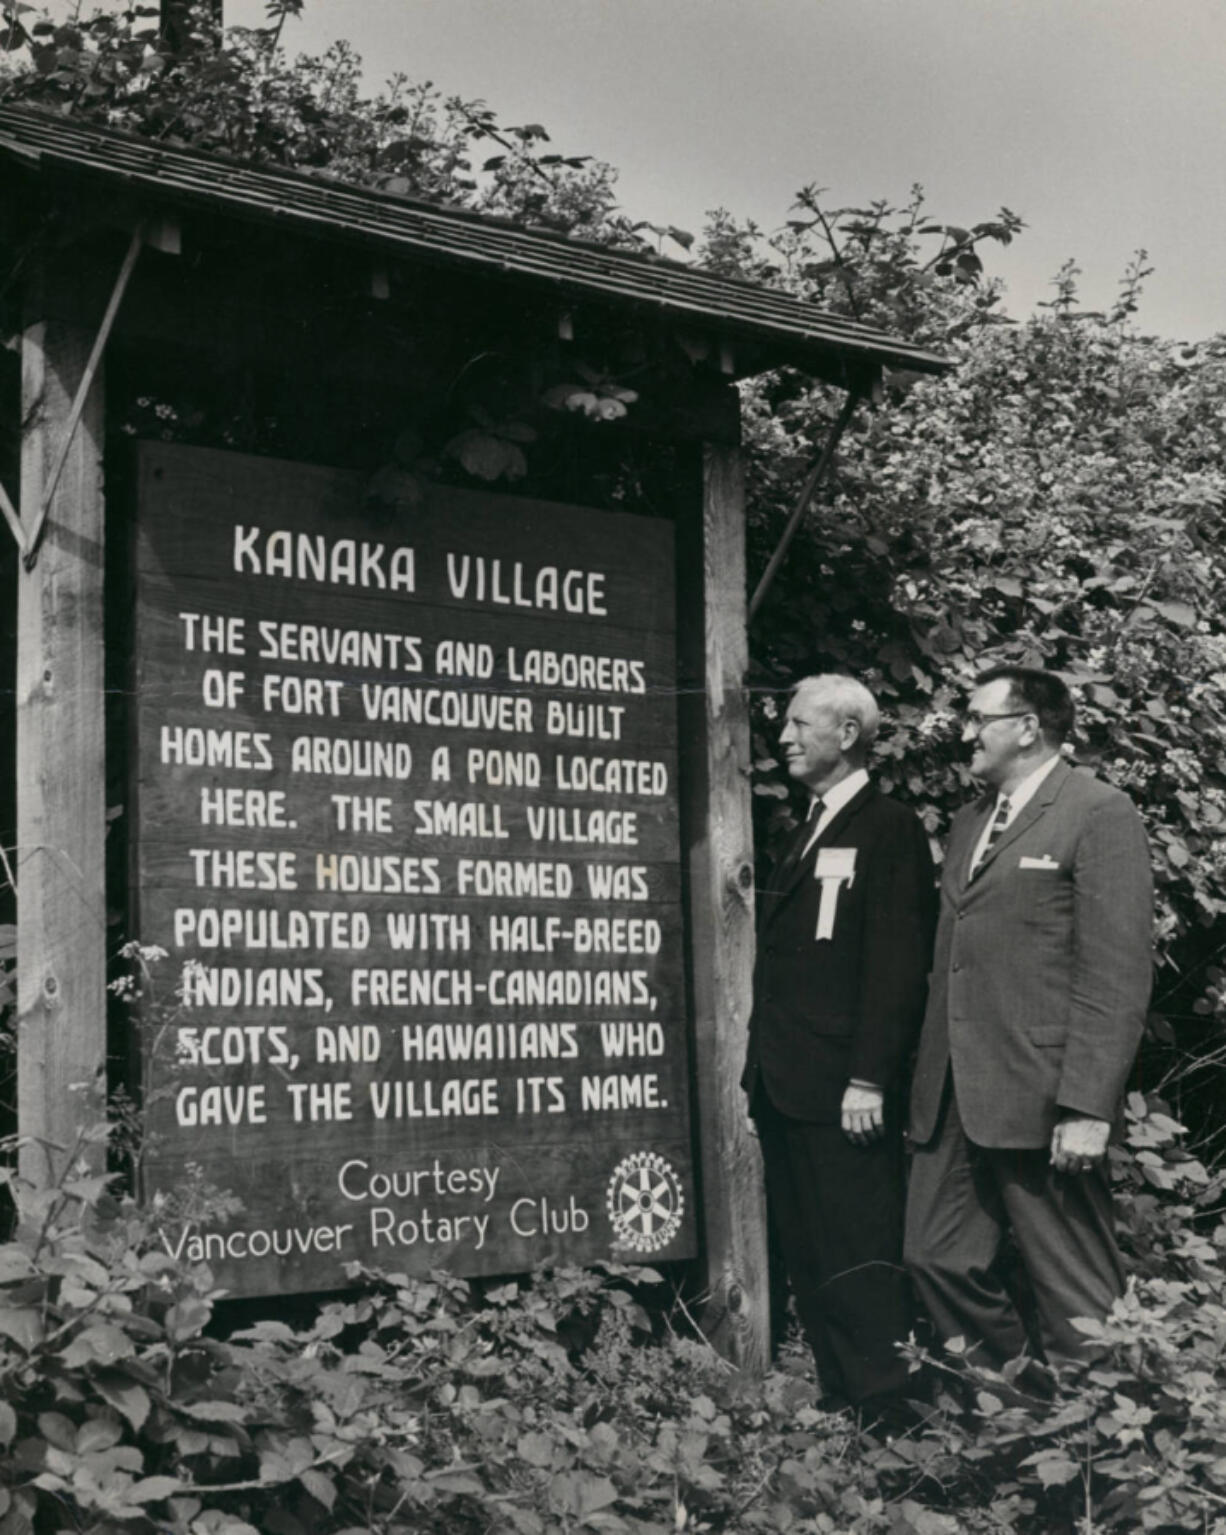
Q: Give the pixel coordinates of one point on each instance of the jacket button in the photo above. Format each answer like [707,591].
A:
[955,967]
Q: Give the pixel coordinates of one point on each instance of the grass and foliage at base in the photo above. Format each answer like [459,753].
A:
[133,1399]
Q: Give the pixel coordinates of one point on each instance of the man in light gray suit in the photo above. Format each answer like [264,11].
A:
[1038,995]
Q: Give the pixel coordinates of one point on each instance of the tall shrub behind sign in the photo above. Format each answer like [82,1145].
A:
[407,825]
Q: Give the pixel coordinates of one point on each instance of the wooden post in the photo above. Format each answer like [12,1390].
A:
[715,727]
[61,766]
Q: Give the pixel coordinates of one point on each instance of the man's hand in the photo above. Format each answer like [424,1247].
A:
[1079,1142]
[863,1112]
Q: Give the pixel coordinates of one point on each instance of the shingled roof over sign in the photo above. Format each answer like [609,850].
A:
[165,177]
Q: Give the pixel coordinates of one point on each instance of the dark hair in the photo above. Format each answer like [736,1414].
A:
[1043,693]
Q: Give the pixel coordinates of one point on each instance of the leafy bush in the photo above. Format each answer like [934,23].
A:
[1057,500]
[237,93]
[132,1398]
[1135,1435]
[562,1403]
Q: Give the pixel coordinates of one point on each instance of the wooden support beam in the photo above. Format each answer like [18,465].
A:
[34,530]
[61,796]
[719,838]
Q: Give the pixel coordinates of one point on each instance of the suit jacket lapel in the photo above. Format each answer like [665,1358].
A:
[959,856]
[841,817]
[1028,815]
[785,869]
[791,873]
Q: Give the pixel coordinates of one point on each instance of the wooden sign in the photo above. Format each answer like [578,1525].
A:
[407,818]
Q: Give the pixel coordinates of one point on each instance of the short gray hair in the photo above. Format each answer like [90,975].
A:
[847,697]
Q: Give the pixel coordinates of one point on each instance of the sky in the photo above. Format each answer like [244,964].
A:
[1101,122]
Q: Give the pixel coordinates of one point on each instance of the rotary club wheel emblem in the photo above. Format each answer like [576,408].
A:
[645,1202]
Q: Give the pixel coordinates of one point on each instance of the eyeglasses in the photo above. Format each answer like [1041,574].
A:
[976,721]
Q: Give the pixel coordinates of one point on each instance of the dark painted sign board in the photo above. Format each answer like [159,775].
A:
[407,830]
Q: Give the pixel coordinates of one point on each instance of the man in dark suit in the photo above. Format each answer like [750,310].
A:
[843,947]
[1038,995]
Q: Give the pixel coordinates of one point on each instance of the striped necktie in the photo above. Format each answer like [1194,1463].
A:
[999,821]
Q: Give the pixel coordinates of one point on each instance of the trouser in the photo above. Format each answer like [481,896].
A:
[837,1212]
[962,1200]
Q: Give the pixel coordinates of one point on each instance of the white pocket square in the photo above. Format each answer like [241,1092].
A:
[1046,862]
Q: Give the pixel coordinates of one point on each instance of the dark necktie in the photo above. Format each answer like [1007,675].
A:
[811,820]
[786,866]
[999,821]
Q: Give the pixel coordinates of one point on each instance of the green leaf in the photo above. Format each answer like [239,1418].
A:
[321,1486]
[483,455]
[536,1449]
[266,1331]
[188,1318]
[458,1481]
[569,397]
[8,1424]
[152,1489]
[1178,613]
[14,1264]
[100,1343]
[527,1522]
[23,1325]
[945,639]
[214,1412]
[98,1434]
[59,1431]
[580,1494]
[81,1267]
[120,1457]
[88,1190]
[1053,1467]
[125,1396]
[607,409]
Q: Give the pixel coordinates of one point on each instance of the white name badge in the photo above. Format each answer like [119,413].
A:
[835,867]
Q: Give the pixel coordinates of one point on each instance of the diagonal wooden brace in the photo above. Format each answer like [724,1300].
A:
[855,394]
[34,537]
[13,520]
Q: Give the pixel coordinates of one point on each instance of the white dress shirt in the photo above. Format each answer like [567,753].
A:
[1018,801]
[833,801]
